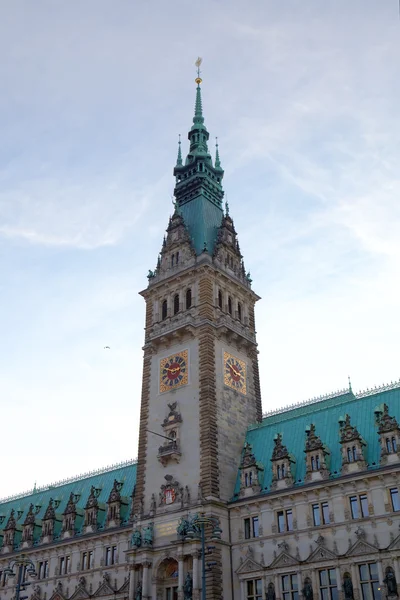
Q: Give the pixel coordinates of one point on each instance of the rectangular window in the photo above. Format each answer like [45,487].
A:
[354,507]
[111,555]
[171,593]
[328,585]
[67,564]
[61,565]
[394,495]
[84,561]
[316,514]
[254,589]
[90,559]
[43,570]
[285,520]
[251,527]
[290,589]
[369,581]
[364,505]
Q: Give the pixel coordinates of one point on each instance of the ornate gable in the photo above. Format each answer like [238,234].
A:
[249,565]
[250,472]
[352,446]
[58,593]
[395,545]
[69,515]
[316,456]
[105,588]
[389,433]
[284,559]
[124,587]
[81,592]
[361,547]
[281,464]
[321,553]
[114,505]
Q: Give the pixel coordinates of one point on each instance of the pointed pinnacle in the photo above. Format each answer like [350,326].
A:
[217,160]
[179,159]
[198,109]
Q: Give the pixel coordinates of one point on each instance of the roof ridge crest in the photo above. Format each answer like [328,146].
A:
[314,400]
[45,488]
[381,388]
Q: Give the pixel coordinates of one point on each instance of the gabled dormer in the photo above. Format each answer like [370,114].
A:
[114,505]
[353,447]
[91,511]
[227,255]
[389,435]
[317,456]
[28,528]
[48,523]
[282,465]
[9,533]
[69,517]
[251,473]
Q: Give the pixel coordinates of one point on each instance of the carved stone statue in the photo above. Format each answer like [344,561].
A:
[153,503]
[391,584]
[148,535]
[137,538]
[270,595]
[188,587]
[200,492]
[138,595]
[348,587]
[186,495]
[307,590]
[182,528]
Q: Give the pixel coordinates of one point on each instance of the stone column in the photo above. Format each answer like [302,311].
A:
[339,583]
[299,584]
[277,587]
[396,569]
[145,582]
[242,590]
[380,572]
[132,583]
[195,557]
[314,581]
[180,577]
[355,582]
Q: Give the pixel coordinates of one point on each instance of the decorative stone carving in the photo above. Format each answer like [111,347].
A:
[251,473]
[69,516]
[348,587]
[282,463]
[91,510]
[391,583]
[9,532]
[28,528]
[352,447]
[170,491]
[48,523]
[317,456]
[307,590]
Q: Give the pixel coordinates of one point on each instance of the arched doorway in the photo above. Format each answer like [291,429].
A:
[167,580]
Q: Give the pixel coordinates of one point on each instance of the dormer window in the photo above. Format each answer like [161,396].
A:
[315,463]
[164,311]
[188,298]
[351,454]
[391,445]
[280,471]
[248,479]
[176,304]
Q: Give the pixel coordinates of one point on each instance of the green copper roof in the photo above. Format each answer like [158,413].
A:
[324,414]
[60,493]
[198,189]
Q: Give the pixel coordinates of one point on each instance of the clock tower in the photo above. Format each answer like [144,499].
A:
[200,388]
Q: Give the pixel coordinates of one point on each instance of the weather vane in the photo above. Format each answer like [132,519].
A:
[198,62]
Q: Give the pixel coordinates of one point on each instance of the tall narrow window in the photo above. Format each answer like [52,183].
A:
[230,305]
[394,495]
[164,310]
[290,589]
[328,584]
[354,507]
[177,257]
[251,527]
[254,589]
[176,304]
[172,260]
[220,299]
[239,311]
[188,298]
[369,581]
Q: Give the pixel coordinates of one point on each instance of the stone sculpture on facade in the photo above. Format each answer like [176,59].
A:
[307,590]
[136,539]
[188,587]
[391,583]
[270,595]
[148,535]
[138,595]
[348,587]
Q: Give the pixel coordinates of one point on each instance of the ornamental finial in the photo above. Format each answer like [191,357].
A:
[350,389]
[198,62]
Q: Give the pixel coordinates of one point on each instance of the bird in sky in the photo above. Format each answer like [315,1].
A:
[107,348]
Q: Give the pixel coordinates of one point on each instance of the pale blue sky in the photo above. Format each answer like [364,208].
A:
[304,97]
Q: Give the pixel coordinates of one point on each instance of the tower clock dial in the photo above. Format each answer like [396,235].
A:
[234,373]
[174,371]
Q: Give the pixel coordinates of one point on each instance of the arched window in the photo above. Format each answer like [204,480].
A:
[317,462]
[164,310]
[349,455]
[394,444]
[239,311]
[251,478]
[220,299]
[177,257]
[172,260]
[354,450]
[246,479]
[283,471]
[313,464]
[278,471]
[188,298]
[230,305]
[176,304]
[389,445]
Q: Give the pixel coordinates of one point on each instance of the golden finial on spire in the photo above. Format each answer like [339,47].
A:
[198,62]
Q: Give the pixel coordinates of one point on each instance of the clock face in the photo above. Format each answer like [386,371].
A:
[174,371]
[234,373]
